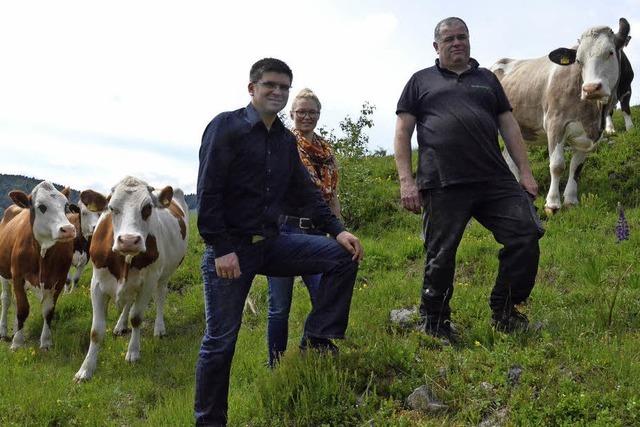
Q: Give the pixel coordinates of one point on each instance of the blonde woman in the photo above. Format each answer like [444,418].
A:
[318,158]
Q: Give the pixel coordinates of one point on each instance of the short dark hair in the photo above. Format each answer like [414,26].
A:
[266,65]
[448,21]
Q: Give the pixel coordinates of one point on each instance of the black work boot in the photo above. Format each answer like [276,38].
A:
[442,329]
[509,320]
[322,345]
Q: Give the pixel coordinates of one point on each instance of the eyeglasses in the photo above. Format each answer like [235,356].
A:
[459,37]
[273,86]
[303,113]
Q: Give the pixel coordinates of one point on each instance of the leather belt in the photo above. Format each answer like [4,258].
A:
[302,223]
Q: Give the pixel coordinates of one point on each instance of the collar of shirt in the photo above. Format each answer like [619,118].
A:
[253,118]
[473,65]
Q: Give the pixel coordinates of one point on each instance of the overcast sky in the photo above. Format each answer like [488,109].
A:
[93,91]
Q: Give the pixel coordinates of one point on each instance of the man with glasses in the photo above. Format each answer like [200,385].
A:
[248,164]
[458,109]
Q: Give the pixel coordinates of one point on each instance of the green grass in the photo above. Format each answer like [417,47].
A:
[580,368]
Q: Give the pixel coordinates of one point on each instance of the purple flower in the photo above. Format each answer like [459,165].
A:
[622,227]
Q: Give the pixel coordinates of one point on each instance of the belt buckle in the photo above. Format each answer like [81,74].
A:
[303,221]
[256,238]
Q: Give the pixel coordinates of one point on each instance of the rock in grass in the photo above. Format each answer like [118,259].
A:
[496,419]
[513,376]
[422,399]
[405,317]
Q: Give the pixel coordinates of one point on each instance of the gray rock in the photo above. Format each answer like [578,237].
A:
[405,317]
[496,419]
[513,376]
[422,399]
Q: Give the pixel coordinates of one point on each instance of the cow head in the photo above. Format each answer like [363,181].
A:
[88,219]
[48,208]
[131,204]
[598,56]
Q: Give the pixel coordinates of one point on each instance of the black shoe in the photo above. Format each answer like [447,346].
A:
[322,345]
[442,329]
[509,321]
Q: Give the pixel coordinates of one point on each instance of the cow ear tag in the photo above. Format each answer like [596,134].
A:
[564,60]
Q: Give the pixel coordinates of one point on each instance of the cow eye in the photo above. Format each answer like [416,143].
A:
[66,208]
[113,210]
[146,211]
[42,208]
[610,53]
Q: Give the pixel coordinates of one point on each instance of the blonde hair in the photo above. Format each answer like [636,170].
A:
[306,93]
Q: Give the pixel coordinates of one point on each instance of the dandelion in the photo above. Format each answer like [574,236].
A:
[622,227]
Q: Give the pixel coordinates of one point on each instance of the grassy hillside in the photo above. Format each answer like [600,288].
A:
[580,367]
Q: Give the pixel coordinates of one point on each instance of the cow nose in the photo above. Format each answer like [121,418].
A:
[67,232]
[590,88]
[129,240]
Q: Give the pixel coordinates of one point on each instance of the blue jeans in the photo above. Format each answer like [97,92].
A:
[280,295]
[283,255]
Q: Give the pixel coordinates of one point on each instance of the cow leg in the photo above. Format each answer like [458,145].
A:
[137,312]
[575,167]
[556,167]
[159,297]
[626,110]
[72,281]
[512,165]
[48,305]
[99,302]
[22,312]
[609,129]
[6,303]
[123,321]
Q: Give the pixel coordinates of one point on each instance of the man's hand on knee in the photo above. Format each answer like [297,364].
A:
[228,266]
[352,244]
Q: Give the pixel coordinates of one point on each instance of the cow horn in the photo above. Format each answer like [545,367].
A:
[623,33]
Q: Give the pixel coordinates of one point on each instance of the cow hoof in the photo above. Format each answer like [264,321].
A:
[132,356]
[569,205]
[45,347]
[81,375]
[15,347]
[550,211]
[160,334]
[121,332]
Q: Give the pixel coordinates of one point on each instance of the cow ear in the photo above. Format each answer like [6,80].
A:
[65,192]
[563,56]
[20,198]
[93,200]
[622,34]
[164,199]
[73,208]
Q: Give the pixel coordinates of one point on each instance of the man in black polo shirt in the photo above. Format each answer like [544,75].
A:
[458,109]
[249,162]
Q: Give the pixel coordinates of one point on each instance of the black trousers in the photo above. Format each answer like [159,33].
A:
[502,207]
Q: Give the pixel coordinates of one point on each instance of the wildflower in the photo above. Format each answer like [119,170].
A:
[622,227]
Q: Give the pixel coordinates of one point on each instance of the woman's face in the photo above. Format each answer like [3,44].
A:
[305,114]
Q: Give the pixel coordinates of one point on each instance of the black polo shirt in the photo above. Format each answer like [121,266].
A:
[245,173]
[457,124]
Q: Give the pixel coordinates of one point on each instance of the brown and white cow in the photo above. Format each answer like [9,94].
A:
[88,221]
[566,94]
[140,240]
[36,248]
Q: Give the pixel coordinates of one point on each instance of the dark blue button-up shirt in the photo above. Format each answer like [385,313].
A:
[247,176]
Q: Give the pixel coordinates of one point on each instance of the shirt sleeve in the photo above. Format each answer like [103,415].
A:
[215,157]
[303,189]
[503,104]
[409,98]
